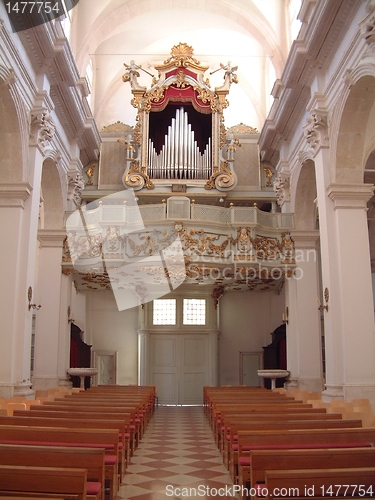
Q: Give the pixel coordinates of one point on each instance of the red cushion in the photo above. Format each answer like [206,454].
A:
[93,487]
[244,461]
[110,460]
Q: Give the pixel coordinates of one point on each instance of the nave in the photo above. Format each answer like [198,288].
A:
[177,451]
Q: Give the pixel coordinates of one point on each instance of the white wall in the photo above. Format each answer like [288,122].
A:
[246,321]
[113,330]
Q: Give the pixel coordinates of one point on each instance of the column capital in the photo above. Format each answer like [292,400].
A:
[350,195]
[14,195]
[51,238]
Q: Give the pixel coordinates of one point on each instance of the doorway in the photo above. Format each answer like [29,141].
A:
[106,363]
[179,367]
[250,363]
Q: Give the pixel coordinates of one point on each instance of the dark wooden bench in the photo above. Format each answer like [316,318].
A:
[47,482]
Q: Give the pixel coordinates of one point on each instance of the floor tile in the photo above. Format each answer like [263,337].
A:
[176,458]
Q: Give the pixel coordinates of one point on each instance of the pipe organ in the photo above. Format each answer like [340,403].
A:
[179,133]
[180,156]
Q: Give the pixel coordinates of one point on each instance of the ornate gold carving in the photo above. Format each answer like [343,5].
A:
[66,271]
[206,96]
[287,249]
[180,80]
[90,172]
[224,179]
[266,248]
[182,55]
[242,129]
[137,131]
[137,179]
[223,132]
[269,174]
[117,128]
[153,95]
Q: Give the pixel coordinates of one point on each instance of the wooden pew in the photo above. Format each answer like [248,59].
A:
[330,458]
[45,482]
[231,449]
[93,411]
[71,422]
[75,414]
[338,483]
[108,405]
[302,439]
[228,418]
[107,439]
[91,459]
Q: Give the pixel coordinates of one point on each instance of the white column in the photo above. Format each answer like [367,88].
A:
[19,205]
[304,349]
[47,335]
[346,273]
[214,358]
[355,298]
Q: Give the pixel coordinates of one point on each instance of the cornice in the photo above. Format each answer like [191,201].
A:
[14,195]
[350,195]
[51,238]
[323,31]
[48,47]
[305,239]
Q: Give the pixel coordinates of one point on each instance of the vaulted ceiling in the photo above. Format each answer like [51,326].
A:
[254,35]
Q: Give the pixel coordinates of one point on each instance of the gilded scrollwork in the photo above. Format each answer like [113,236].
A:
[222,179]
[207,96]
[136,178]
[266,248]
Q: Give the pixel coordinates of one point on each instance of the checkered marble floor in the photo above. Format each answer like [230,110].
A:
[177,458]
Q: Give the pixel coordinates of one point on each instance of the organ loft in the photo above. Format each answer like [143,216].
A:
[179,134]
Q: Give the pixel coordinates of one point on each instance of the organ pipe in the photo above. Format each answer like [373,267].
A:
[180,157]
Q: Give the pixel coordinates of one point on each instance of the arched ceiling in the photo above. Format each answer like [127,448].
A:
[254,35]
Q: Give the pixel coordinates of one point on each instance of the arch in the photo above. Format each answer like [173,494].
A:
[353,130]
[52,199]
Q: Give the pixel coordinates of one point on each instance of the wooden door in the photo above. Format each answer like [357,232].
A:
[179,367]
[250,363]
